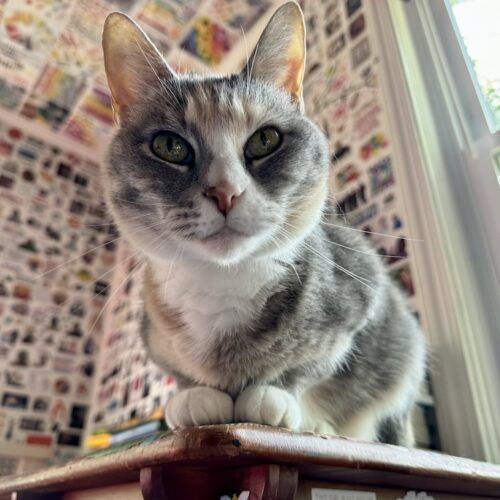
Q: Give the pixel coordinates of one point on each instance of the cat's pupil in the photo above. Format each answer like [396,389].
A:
[170,144]
[264,138]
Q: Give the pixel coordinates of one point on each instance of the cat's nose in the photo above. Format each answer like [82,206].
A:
[225,194]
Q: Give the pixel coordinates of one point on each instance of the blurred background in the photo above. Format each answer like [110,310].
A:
[408,93]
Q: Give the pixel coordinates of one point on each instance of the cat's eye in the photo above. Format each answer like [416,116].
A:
[262,143]
[172,148]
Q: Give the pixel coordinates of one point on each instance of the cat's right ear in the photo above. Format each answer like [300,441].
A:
[131,61]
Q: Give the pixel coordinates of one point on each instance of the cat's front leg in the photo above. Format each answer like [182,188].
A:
[199,406]
[266,404]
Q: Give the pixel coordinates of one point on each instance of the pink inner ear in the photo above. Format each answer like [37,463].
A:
[293,77]
[120,113]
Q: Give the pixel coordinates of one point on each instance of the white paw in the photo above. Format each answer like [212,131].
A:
[269,405]
[199,406]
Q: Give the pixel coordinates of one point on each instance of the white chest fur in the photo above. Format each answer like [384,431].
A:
[214,301]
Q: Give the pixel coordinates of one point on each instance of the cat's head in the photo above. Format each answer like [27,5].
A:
[219,169]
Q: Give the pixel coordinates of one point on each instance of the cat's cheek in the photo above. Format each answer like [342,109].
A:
[199,406]
[264,404]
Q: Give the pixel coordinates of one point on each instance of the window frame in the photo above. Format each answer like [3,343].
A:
[442,154]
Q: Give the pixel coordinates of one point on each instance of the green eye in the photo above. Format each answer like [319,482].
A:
[172,148]
[262,143]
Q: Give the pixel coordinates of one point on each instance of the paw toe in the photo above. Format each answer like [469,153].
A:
[199,406]
[268,405]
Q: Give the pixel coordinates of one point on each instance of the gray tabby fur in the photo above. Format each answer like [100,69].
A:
[307,330]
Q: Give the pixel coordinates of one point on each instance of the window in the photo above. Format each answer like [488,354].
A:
[476,23]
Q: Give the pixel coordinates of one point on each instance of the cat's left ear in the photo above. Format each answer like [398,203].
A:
[280,54]
[132,63]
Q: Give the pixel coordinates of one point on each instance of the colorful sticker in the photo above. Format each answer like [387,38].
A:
[33,25]
[54,95]
[168,18]
[208,40]
[92,122]
[373,146]
[347,175]
[240,15]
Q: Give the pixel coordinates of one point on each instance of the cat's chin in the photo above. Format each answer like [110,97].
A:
[226,246]
[224,236]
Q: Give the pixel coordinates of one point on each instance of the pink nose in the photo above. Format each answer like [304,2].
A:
[225,195]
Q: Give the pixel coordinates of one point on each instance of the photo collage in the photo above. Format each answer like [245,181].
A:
[58,249]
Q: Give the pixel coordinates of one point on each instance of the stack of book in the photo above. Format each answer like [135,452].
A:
[130,430]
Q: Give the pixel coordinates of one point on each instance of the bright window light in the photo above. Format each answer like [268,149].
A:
[478,24]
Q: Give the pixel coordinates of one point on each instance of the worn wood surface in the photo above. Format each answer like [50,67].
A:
[212,449]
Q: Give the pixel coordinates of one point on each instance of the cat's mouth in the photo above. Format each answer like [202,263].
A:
[224,235]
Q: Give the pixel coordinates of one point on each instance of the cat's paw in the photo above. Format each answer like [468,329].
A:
[264,404]
[199,406]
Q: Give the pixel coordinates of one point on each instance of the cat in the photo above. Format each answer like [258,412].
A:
[263,308]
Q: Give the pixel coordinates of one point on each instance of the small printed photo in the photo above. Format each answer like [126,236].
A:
[15,378]
[32,424]
[68,439]
[62,386]
[77,416]
[41,404]
[15,401]
[352,6]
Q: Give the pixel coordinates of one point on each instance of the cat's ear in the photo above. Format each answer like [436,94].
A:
[280,54]
[131,61]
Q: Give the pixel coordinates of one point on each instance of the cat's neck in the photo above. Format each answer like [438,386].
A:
[243,279]
[215,298]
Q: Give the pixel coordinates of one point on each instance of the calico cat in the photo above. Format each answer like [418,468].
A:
[264,309]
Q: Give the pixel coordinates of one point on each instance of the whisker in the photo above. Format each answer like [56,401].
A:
[342,213]
[162,84]
[93,282]
[128,276]
[144,203]
[351,274]
[118,288]
[371,232]
[295,271]
[107,242]
[180,251]
[376,254]
[109,224]
[77,257]
[254,57]
[246,52]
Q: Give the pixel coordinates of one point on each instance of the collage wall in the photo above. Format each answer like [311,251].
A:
[343,95]
[63,271]
[57,252]
[52,336]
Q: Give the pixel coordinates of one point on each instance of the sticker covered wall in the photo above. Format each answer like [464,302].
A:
[51,64]
[57,248]
[342,94]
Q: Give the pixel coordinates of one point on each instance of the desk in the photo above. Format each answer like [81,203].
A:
[207,462]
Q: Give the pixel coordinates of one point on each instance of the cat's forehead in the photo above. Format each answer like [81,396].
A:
[231,103]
